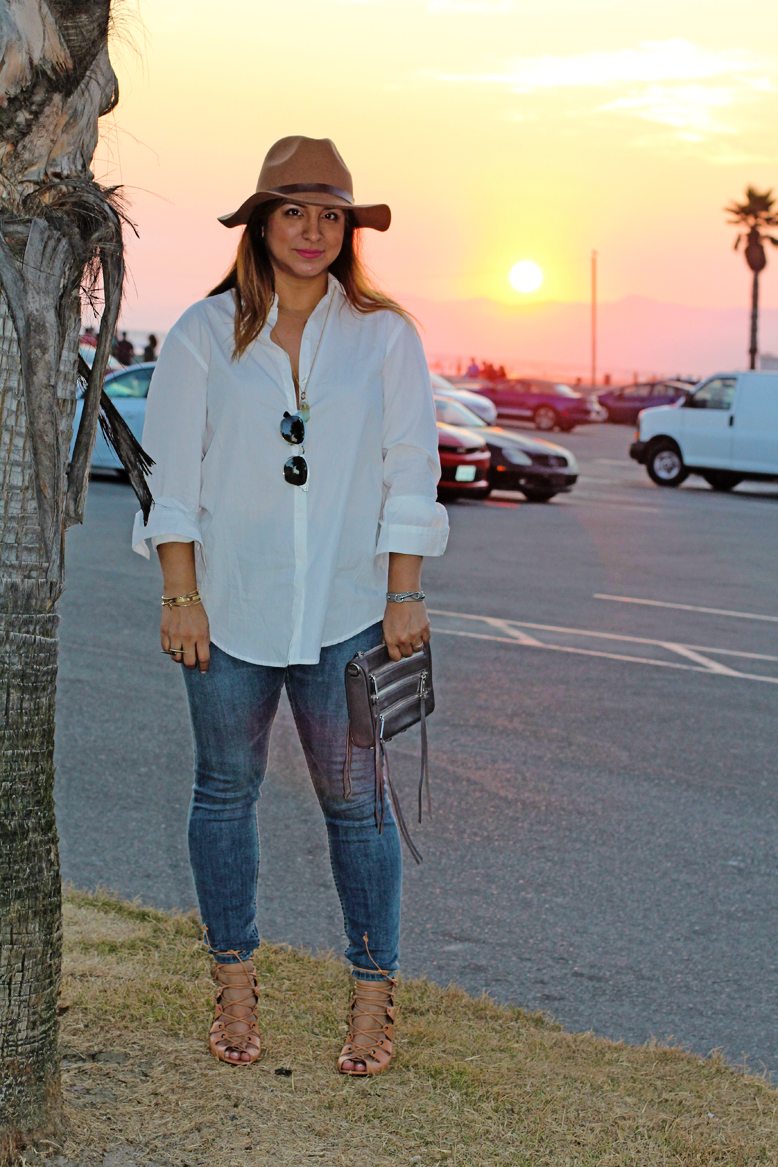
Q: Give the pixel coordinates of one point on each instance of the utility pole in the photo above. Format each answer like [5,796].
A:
[594,320]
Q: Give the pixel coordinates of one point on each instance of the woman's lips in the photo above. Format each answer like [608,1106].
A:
[308,254]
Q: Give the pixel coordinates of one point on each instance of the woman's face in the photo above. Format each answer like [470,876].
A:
[303,241]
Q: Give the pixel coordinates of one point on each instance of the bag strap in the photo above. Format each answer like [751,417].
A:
[424,779]
[383,779]
[398,814]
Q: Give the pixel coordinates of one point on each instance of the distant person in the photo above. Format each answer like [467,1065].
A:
[150,351]
[289,541]
[124,351]
[489,373]
[88,337]
[501,373]
[473,369]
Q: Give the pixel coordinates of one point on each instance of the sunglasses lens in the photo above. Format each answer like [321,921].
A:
[296,471]
[293,429]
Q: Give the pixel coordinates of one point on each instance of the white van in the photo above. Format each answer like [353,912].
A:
[727,431]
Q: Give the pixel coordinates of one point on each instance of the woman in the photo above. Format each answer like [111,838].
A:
[292,427]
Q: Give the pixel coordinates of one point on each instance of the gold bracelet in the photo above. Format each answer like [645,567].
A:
[182,601]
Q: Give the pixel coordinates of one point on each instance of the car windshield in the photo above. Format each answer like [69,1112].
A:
[454,413]
[565,391]
[134,383]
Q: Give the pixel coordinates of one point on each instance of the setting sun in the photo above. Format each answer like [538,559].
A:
[526,276]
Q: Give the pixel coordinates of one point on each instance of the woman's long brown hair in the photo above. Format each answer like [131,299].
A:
[251,278]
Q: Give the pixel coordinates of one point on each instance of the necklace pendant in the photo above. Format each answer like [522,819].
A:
[305,410]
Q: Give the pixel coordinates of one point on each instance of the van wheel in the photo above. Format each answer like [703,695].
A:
[722,479]
[545,418]
[665,465]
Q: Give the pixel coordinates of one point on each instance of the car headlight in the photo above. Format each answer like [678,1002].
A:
[516,456]
[572,465]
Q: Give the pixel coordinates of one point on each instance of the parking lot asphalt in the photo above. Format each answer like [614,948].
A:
[603,845]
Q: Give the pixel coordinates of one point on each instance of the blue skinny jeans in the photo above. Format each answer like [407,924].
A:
[232,708]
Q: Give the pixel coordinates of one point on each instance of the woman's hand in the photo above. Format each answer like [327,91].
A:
[406,625]
[406,628]
[186,628]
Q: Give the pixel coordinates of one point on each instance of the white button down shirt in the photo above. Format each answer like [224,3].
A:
[284,571]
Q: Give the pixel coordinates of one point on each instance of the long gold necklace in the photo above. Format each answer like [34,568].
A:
[300,386]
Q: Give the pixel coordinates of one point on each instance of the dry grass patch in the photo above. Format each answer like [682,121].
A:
[471,1083]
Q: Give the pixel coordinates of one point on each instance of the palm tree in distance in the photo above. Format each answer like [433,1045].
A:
[752,217]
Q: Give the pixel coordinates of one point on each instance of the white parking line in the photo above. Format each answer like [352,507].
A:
[512,634]
[714,666]
[687,607]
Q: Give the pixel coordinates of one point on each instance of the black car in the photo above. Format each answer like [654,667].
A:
[624,405]
[518,462]
[548,404]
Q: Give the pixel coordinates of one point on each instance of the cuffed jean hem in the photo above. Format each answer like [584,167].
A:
[362,974]
[232,957]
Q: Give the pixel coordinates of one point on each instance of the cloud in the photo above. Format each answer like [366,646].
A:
[651,61]
[687,108]
[667,82]
[480,7]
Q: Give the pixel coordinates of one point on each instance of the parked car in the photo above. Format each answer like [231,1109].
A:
[87,351]
[464,463]
[518,462]
[726,431]
[128,389]
[624,404]
[549,404]
[481,406]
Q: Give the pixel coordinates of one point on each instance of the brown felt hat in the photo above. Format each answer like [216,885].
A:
[309,170]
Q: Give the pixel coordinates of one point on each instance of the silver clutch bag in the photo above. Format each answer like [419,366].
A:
[384,698]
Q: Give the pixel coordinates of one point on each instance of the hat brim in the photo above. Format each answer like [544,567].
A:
[375,215]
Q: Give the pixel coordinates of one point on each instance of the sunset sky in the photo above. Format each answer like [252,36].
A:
[497,131]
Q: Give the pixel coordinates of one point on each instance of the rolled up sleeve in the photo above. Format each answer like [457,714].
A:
[412,521]
[174,436]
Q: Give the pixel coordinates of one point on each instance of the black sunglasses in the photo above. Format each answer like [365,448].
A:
[293,432]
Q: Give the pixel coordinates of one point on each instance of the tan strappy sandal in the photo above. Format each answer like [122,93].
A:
[235,1021]
[373,1001]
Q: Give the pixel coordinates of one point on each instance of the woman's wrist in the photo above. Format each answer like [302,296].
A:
[404,573]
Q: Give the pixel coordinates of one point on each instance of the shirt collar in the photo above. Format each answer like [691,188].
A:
[334,289]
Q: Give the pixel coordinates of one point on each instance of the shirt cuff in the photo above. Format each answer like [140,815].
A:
[157,539]
[411,540]
[167,515]
[412,524]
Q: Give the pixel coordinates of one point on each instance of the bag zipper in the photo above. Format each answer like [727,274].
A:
[391,665]
[421,693]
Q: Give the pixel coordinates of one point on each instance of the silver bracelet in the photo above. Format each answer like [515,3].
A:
[401,597]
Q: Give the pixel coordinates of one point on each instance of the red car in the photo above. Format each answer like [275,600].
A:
[464,463]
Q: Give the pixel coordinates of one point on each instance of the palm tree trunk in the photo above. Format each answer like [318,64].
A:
[55,222]
[753,350]
[30,931]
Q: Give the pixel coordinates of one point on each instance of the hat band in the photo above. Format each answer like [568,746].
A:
[314,188]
